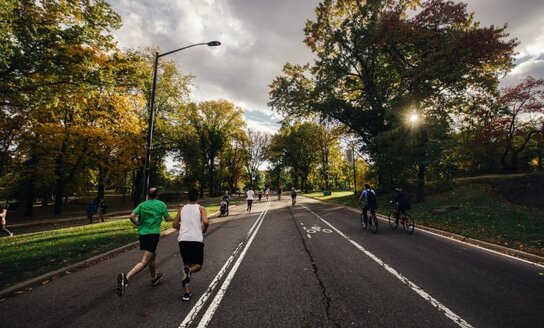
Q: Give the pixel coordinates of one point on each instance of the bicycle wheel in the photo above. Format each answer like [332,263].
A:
[373,223]
[392,223]
[363,225]
[408,224]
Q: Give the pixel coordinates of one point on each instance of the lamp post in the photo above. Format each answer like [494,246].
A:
[149,144]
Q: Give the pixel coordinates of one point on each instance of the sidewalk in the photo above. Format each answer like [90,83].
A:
[124,214]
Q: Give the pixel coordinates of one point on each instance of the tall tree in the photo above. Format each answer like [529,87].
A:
[378,59]
[257,143]
[214,124]
[519,119]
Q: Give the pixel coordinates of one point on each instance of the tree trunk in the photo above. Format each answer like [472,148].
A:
[101,183]
[138,187]
[210,181]
[59,193]
[422,166]
[540,152]
[29,197]
[514,162]
[421,183]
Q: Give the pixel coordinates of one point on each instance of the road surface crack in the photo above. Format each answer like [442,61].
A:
[325,298]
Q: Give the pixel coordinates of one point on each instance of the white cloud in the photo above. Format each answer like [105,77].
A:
[259,36]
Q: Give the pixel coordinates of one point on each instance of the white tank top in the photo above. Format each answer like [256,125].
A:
[191,229]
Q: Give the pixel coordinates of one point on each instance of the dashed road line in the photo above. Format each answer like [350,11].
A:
[442,308]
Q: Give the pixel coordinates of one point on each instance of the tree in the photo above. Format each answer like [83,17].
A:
[519,119]
[379,59]
[255,154]
[213,124]
[294,146]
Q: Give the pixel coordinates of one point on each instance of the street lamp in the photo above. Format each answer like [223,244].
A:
[152,110]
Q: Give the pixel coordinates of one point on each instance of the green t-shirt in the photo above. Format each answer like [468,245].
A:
[150,214]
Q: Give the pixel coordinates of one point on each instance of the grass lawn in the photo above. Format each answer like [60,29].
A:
[26,256]
[474,211]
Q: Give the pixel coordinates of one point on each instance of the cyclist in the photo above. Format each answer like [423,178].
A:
[370,202]
[402,203]
[293,195]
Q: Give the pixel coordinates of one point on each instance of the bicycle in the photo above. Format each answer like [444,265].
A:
[405,219]
[372,221]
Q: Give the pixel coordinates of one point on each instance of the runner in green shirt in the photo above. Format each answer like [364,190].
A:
[147,217]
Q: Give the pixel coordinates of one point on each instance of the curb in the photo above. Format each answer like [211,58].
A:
[531,258]
[45,278]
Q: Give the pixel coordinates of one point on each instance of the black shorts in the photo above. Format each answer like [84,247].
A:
[149,242]
[192,252]
[249,202]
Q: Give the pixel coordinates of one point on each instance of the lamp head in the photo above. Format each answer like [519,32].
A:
[214,43]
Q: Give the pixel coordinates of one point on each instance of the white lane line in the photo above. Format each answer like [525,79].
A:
[309,235]
[442,308]
[384,218]
[207,317]
[301,223]
[202,300]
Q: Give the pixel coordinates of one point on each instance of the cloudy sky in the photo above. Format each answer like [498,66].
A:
[260,36]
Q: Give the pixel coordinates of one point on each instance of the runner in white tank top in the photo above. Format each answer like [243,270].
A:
[191,226]
[192,222]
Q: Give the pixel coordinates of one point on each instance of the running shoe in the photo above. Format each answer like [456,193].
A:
[186,275]
[122,283]
[187,296]
[158,277]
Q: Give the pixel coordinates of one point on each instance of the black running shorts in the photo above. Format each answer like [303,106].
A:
[249,202]
[149,242]
[192,252]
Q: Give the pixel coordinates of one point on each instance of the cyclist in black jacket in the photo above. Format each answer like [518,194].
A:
[370,202]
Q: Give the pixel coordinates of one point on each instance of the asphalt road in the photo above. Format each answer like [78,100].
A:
[308,265]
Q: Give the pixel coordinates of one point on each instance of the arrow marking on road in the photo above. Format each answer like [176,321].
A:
[442,308]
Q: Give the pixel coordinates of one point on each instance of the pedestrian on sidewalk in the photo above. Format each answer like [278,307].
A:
[3,214]
[192,222]
[102,207]
[91,209]
[250,194]
[147,217]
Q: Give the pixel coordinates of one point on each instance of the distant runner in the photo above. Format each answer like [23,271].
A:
[250,194]
[149,216]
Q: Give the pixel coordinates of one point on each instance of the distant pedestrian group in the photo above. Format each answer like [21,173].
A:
[96,207]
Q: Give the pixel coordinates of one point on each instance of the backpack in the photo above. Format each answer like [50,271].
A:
[405,203]
[371,197]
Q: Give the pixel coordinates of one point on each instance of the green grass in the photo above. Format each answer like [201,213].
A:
[480,214]
[26,256]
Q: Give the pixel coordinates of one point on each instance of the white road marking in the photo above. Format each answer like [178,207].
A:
[327,230]
[202,300]
[207,317]
[309,235]
[442,308]
[384,218]
[310,231]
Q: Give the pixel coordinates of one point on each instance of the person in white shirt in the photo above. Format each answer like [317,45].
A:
[192,222]
[250,193]
[3,214]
